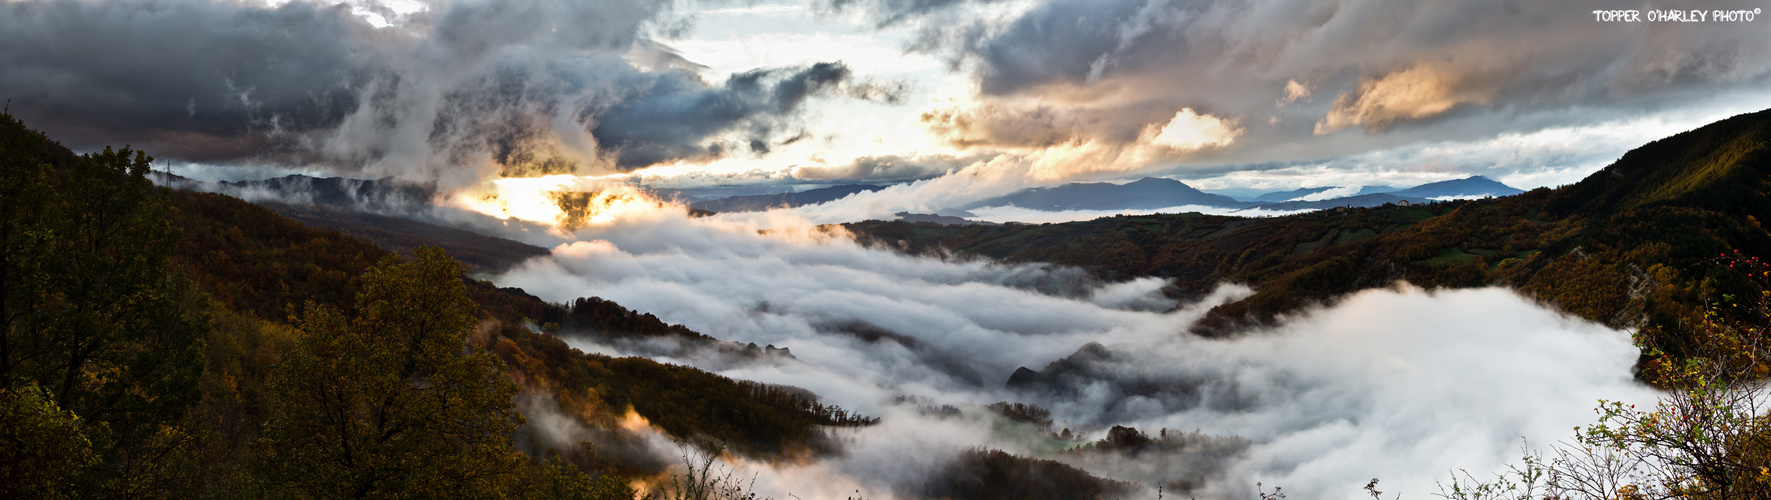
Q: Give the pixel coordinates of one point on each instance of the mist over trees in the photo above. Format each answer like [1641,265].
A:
[162,344]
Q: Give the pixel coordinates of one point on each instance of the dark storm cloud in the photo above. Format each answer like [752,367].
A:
[1350,72]
[1059,43]
[453,93]
[187,79]
[673,121]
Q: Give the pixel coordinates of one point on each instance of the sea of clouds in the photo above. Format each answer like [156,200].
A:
[1400,384]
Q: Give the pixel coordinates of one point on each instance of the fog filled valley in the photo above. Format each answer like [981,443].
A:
[1396,383]
[883,249]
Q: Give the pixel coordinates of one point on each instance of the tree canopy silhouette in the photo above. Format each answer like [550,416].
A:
[95,319]
[394,403]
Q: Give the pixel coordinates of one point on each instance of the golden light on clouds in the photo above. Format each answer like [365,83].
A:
[1191,131]
[1293,92]
[564,202]
[1411,94]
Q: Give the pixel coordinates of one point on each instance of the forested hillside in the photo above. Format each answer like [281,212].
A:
[1624,247]
[178,344]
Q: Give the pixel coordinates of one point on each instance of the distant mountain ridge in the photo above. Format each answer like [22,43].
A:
[762,202]
[1474,186]
[370,194]
[1145,193]
[1148,193]
[1156,192]
[1282,196]
[1358,201]
[1469,187]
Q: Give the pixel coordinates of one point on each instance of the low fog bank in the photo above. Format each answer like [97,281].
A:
[927,197]
[1011,213]
[1400,384]
[922,327]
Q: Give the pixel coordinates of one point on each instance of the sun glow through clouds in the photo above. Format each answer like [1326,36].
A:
[563,202]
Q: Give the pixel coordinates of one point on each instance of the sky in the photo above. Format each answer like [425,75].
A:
[963,98]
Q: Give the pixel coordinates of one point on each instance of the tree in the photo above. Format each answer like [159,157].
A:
[394,403]
[93,314]
[557,479]
[42,448]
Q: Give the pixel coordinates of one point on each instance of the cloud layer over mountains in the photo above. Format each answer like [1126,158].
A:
[1400,384]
